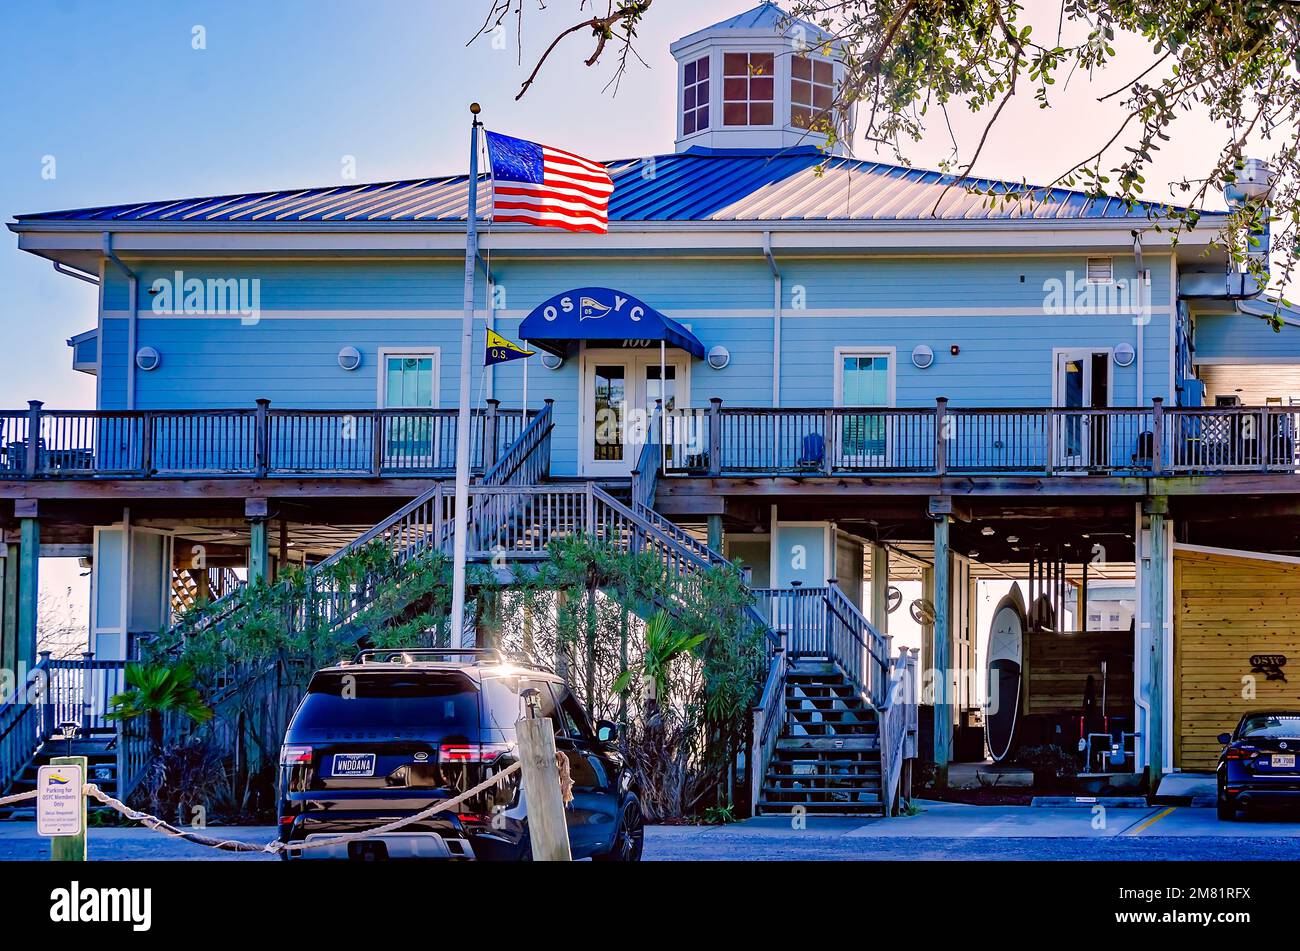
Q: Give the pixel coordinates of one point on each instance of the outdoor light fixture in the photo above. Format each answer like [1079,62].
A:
[147,358]
[1124,355]
[954,350]
[349,358]
[551,361]
[719,357]
[922,356]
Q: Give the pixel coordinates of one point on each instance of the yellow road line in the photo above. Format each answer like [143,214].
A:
[1150,822]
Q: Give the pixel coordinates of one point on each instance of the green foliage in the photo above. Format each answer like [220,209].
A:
[664,643]
[580,611]
[159,689]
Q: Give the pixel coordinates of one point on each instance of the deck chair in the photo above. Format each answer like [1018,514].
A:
[812,452]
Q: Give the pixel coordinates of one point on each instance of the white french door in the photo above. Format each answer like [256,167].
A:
[408,379]
[619,390]
[1082,381]
[864,378]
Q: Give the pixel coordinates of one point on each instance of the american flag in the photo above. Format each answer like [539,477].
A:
[539,185]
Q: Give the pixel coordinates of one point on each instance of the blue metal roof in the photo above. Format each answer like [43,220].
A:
[800,184]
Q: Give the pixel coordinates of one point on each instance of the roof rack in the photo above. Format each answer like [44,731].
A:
[469,655]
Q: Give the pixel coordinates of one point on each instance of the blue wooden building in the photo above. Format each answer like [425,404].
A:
[855,371]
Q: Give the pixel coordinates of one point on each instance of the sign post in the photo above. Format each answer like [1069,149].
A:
[61,807]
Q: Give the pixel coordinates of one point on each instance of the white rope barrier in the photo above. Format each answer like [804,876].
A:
[273,848]
[8,800]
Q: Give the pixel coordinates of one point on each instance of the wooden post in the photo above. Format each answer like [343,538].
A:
[47,696]
[32,463]
[28,580]
[880,588]
[1157,435]
[259,552]
[943,709]
[9,612]
[828,439]
[1157,509]
[87,689]
[715,533]
[71,848]
[146,444]
[262,463]
[282,556]
[941,435]
[548,831]
[715,436]
[377,443]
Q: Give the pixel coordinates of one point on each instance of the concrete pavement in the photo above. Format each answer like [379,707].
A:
[938,831]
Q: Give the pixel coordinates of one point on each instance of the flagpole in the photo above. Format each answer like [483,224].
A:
[460,526]
[525,391]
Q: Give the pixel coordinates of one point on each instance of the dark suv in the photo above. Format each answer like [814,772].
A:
[395,731]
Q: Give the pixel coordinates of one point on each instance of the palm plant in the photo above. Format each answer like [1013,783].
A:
[159,690]
[663,645]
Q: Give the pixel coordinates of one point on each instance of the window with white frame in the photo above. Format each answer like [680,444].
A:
[748,88]
[695,96]
[812,90]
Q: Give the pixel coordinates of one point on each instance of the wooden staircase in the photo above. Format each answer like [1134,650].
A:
[827,759]
[101,768]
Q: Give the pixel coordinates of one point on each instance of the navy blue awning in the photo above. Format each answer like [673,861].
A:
[601,314]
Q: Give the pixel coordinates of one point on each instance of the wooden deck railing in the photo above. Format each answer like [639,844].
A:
[54,692]
[946,440]
[256,442]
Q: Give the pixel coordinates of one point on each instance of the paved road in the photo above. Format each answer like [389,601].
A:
[940,831]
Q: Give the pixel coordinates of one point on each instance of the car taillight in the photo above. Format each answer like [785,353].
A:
[295,755]
[471,752]
[1235,752]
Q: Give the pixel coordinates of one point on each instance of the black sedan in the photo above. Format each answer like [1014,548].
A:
[1258,763]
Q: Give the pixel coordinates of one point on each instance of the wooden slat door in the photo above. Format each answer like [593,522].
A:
[1228,608]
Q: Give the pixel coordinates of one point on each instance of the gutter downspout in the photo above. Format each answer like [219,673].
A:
[132,306]
[1142,320]
[73,272]
[776,318]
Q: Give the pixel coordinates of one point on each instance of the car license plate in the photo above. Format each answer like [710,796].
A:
[353,764]
[1282,761]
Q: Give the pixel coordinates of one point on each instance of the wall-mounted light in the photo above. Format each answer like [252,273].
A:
[147,358]
[1124,355]
[719,357]
[954,350]
[349,358]
[551,361]
[922,356]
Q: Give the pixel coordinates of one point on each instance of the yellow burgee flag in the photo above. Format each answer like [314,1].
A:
[501,350]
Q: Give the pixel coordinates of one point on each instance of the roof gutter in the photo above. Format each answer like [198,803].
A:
[776,317]
[133,287]
[73,272]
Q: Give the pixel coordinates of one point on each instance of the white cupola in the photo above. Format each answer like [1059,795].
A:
[756,81]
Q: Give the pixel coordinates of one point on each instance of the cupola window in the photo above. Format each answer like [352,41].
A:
[695,96]
[812,90]
[747,89]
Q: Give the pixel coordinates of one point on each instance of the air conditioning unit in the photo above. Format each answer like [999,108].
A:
[1229,399]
